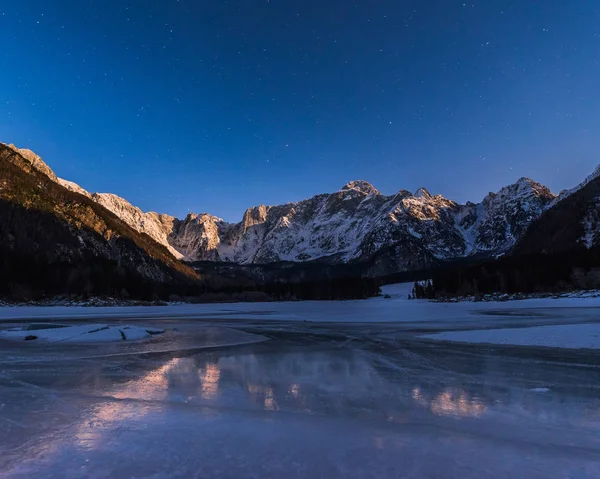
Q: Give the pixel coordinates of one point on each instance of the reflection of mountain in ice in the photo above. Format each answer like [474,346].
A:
[288,414]
[451,402]
[316,400]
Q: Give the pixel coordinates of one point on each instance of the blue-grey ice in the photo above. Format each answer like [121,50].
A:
[293,391]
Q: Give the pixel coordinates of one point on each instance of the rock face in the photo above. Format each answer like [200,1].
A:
[35,161]
[74,187]
[355,224]
[197,237]
[56,239]
[154,225]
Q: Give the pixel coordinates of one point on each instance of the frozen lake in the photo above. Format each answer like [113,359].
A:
[349,389]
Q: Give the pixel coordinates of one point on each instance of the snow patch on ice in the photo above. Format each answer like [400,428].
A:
[571,336]
[80,334]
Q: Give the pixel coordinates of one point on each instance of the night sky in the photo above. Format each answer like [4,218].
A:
[216,106]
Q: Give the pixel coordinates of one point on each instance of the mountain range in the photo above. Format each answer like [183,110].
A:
[352,224]
[356,225]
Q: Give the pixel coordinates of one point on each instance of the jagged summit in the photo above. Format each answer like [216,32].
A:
[199,217]
[523,188]
[35,161]
[422,193]
[361,186]
[524,183]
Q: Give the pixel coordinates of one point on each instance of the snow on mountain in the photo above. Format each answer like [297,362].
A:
[422,193]
[591,220]
[495,224]
[149,223]
[355,223]
[591,226]
[155,225]
[361,187]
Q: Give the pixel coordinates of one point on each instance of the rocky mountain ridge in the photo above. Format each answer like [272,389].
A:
[356,223]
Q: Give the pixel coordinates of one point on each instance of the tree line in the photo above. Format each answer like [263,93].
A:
[574,269]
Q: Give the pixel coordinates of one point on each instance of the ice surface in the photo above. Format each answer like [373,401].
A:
[344,389]
[279,410]
[575,336]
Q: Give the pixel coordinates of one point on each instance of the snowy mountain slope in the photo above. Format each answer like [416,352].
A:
[197,237]
[495,224]
[356,223]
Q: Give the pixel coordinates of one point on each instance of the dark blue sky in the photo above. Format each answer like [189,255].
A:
[220,105]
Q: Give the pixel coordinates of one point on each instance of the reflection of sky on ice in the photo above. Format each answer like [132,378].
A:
[313,413]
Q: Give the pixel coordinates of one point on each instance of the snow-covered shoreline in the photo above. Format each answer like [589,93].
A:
[90,303]
[568,321]
[395,291]
[502,297]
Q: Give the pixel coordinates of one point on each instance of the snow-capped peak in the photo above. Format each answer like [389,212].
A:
[523,188]
[422,193]
[361,186]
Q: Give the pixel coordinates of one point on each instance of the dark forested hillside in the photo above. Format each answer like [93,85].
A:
[570,224]
[55,241]
[534,273]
